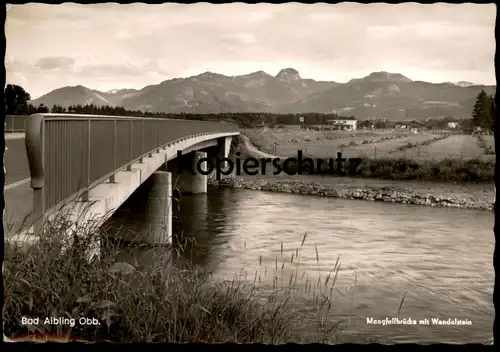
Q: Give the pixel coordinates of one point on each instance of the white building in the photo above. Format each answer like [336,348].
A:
[347,124]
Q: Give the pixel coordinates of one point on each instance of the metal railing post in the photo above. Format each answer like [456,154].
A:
[112,178]
[39,192]
[85,194]
[129,166]
[35,150]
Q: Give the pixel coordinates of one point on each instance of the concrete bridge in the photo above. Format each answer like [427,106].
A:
[67,162]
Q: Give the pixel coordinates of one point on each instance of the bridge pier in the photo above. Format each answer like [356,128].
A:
[186,181]
[147,215]
[159,209]
[224,148]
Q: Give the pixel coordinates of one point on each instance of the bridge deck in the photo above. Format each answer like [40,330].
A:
[18,192]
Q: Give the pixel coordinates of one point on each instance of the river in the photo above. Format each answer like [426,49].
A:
[438,259]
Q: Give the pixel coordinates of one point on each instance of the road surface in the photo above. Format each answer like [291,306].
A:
[17,191]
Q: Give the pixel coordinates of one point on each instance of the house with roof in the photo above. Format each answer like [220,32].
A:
[344,123]
[416,126]
[400,125]
[367,125]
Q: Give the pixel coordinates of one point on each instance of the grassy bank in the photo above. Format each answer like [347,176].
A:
[159,301]
[447,170]
[390,168]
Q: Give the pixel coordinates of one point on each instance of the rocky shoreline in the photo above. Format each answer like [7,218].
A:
[383,194]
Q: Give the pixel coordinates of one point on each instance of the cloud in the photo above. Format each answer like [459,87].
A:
[16,66]
[113,45]
[52,63]
[118,69]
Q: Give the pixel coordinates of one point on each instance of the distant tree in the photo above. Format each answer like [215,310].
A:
[42,109]
[380,124]
[466,124]
[482,115]
[32,109]
[16,100]
[57,109]
[439,123]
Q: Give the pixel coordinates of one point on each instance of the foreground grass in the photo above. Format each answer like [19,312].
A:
[160,301]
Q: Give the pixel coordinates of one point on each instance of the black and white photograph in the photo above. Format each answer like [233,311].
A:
[249,173]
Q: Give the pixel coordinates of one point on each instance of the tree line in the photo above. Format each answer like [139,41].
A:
[482,113]
[17,103]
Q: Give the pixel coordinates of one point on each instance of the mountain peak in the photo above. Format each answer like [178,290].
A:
[121,91]
[464,83]
[259,73]
[460,83]
[288,74]
[255,74]
[206,74]
[209,74]
[77,88]
[383,76]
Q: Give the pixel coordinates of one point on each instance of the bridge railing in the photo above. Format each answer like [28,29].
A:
[15,123]
[70,154]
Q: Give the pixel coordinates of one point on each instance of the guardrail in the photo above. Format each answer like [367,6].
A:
[15,123]
[70,154]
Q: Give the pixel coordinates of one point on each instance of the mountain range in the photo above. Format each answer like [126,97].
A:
[378,95]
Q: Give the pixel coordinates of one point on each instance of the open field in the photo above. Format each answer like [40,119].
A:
[322,144]
[371,144]
[462,147]
[386,148]
[286,142]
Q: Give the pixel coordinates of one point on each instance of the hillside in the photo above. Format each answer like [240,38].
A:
[394,97]
[67,96]
[380,94]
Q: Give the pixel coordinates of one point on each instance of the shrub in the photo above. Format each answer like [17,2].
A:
[447,170]
[488,150]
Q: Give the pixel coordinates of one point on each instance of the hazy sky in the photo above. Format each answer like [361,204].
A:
[107,46]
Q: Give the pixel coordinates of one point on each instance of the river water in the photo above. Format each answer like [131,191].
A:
[395,260]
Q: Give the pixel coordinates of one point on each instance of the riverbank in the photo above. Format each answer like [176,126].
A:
[476,196]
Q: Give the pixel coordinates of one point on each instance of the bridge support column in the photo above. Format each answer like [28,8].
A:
[189,183]
[199,181]
[159,209]
[224,148]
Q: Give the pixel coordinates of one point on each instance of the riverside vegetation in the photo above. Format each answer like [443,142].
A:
[167,301]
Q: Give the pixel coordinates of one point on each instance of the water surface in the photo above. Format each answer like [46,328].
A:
[439,259]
